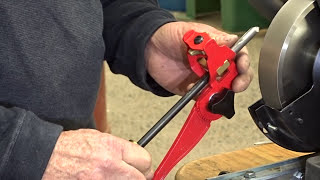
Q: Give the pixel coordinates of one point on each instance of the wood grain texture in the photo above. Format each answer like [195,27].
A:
[235,161]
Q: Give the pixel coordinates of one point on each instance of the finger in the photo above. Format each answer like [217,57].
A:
[186,84]
[116,170]
[137,157]
[149,175]
[242,81]
[131,172]
[221,37]
[243,61]
[126,172]
[228,40]
[190,86]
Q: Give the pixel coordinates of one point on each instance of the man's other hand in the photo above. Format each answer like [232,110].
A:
[89,154]
[167,62]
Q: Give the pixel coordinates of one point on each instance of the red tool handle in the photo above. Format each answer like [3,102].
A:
[183,144]
[199,119]
[191,133]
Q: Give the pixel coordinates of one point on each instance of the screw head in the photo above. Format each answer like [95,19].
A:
[298,175]
[250,174]
[299,120]
[198,39]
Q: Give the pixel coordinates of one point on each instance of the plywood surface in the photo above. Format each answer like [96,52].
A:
[235,161]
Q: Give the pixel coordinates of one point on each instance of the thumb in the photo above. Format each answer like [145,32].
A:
[228,40]
[137,157]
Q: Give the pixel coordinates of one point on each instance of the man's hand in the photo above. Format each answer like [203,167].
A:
[167,62]
[89,154]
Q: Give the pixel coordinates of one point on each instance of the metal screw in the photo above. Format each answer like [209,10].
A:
[298,175]
[299,120]
[198,40]
[274,128]
[250,174]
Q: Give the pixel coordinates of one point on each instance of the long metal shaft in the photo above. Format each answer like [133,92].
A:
[243,41]
[192,93]
[174,110]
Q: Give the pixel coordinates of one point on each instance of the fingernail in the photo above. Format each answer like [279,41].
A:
[230,37]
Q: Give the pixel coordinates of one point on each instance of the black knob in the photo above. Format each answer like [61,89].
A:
[198,40]
[222,103]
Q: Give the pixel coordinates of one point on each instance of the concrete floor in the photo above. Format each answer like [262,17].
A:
[132,111]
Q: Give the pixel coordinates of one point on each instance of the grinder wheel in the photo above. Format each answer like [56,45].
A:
[288,53]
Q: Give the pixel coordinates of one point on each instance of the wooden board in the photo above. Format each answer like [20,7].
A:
[235,161]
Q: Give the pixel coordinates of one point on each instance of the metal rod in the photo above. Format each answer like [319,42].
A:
[245,39]
[192,93]
[174,110]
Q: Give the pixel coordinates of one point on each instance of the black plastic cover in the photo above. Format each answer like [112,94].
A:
[296,126]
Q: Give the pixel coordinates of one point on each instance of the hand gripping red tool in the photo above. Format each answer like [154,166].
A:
[217,69]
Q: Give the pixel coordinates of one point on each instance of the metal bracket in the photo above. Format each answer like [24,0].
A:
[288,169]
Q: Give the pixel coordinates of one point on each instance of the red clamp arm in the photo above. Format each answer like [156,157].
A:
[222,71]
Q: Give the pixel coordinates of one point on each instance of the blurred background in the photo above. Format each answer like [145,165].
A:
[131,111]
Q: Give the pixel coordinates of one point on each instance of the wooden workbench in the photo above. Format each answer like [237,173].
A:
[235,161]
